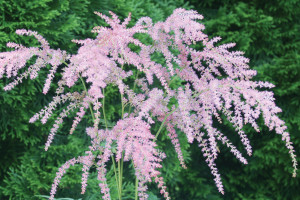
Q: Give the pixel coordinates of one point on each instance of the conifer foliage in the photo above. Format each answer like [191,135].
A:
[215,81]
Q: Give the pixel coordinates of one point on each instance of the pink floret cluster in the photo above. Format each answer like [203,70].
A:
[216,84]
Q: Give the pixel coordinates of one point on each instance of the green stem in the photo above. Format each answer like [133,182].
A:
[122,115]
[134,86]
[120,178]
[172,79]
[103,108]
[120,162]
[92,113]
[122,96]
[91,109]
[162,124]
[116,176]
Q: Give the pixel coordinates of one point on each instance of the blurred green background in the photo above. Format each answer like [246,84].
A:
[268,33]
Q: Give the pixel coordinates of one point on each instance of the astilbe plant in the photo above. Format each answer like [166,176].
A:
[215,83]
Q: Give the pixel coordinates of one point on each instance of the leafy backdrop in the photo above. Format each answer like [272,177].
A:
[267,31]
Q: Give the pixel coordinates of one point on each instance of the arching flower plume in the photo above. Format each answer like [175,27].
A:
[216,84]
